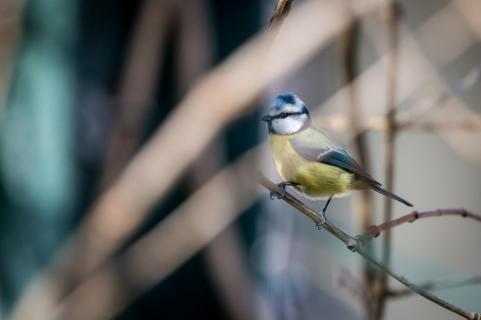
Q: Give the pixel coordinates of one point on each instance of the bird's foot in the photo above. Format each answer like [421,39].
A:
[322,215]
[322,220]
[277,195]
[282,186]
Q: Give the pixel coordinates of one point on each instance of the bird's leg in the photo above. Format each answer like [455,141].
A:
[324,210]
[282,186]
[323,213]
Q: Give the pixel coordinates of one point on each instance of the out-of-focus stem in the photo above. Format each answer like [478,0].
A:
[375,230]
[364,204]
[392,16]
[280,12]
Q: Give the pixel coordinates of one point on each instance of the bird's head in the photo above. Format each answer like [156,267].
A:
[288,114]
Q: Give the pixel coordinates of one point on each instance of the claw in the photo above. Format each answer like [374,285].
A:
[275,195]
[280,195]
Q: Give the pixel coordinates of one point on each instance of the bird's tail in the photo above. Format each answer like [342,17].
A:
[379,189]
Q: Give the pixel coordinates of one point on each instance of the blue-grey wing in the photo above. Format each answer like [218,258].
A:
[333,156]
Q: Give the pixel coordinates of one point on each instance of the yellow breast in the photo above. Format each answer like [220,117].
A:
[314,179]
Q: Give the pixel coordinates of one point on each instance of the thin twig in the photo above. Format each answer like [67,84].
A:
[376,230]
[436,285]
[356,246]
[342,123]
[349,64]
[280,12]
[393,16]
[159,252]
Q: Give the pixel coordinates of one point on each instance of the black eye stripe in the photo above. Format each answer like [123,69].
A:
[284,115]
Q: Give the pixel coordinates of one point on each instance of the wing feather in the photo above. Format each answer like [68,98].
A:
[333,156]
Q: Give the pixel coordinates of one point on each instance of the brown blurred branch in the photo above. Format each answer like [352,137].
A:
[415,71]
[349,64]
[159,252]
[11,13]
[280,12]
[436,285]
[349,46]
[442,98]
[376,230]
[228,90]
[343,123]
[355,246]
[144,56]
[392,13]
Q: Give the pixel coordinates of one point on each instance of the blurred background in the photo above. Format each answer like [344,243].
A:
[88,90]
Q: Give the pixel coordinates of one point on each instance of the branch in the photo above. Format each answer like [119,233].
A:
[349,46]
[356,246]
[160,251]
[436,285]
[137,84]
[375,231]
[393,13]
[280,12]
[342,123]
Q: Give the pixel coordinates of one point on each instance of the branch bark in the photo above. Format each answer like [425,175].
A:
[280,12]
[355,245]
[435,285]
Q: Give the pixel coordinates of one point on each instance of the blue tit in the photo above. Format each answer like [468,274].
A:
[308,160]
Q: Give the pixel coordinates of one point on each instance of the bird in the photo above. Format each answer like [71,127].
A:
[308,160]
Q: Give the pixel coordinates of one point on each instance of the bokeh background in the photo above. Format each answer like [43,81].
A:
[86,86]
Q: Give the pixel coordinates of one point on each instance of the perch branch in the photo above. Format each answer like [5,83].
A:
[436,285]
[355,246]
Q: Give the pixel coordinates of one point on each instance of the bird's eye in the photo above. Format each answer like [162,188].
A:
[283,115]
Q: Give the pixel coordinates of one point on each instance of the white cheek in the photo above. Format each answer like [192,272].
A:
[286,126]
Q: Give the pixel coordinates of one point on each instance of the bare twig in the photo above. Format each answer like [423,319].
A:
[355,246]
[436,285]
[342,123]
[159,252]
[375,231]
[392,16]
[391,129]
[349,46]
[144,56]
[350,68]
[280,12]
